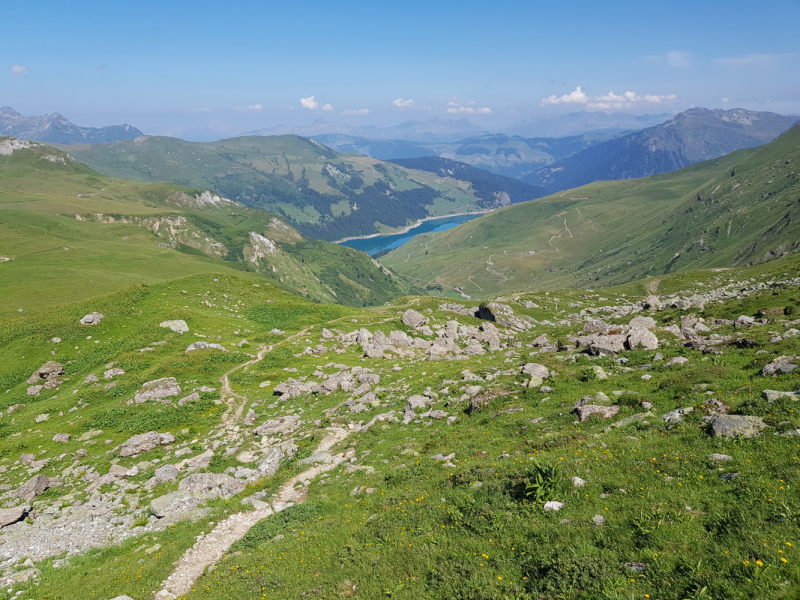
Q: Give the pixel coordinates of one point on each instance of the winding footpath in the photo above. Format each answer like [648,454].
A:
[216,544]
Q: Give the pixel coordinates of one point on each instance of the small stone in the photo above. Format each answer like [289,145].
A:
[598,520]
[577,482]
[719,457]
[553,505]
[62,437]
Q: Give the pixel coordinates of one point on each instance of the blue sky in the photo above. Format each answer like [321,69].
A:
[170,66]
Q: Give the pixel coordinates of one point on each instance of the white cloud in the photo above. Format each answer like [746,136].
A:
[309,103]
[312,104]
[676,58]
[576,97]
[752,60]
[400,103]
[456,108]
[468,110]
[726,100]
[202,110]
[363,111]
[19,70]
[608,101]
[252,108]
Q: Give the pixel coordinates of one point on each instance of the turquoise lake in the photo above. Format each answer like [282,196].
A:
[374,245]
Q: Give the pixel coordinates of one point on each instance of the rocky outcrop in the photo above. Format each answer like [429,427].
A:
[503,315]
[412,318]
[736,426]
[158,389]
[35,486]
[201,345]
[92,319]
[144,443]
[178,325]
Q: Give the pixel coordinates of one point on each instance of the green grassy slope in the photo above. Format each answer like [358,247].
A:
[727,212]
[68,233]
[325,194]
[394,522]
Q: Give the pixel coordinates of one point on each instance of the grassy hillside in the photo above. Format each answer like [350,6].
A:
[68,233]
[731,211]
[371,501]
[323,193]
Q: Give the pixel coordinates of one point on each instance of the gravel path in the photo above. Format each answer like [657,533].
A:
[213,547]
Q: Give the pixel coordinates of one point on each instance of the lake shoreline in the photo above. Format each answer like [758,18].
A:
[410,227]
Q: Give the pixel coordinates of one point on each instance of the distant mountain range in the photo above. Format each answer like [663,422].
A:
[578,123]
[432,131]
[57,129]
[692,136]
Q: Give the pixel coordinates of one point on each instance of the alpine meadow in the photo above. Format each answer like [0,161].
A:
[567,366]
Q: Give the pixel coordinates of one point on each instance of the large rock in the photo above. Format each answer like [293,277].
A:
[412,318]
[280,426]
[599,345]
[144,443]
[35,486]
[162,475]
[166,387]
[772,395]
[12,515]
[642,323]
[535,370]
[504,315]
[586,411]
[212,484]
[642,338]
[175,503]
[596,326]
[736,426]
[91,319]
[178,325]
[201,345]
[270,463]
[775,366]
[48,371]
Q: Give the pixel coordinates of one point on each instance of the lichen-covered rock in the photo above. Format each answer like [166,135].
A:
[144,443]
[158,389]
[278,426]
[12,515]
[35,486]
[535,370]
[504,315]
[736,426]
[177,325]
[91,319]
[412,318]
[586,411]
[212,484]
[642,338]
[201,345]
[775,366]
[62,437]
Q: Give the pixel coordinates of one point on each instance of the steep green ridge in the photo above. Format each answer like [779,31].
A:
[323,193]
[736,210]
[67,233]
